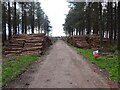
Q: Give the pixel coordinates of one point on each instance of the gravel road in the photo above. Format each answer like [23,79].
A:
[60,67]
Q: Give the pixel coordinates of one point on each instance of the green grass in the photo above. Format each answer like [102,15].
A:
[0,75]
[14,66]
[109,64]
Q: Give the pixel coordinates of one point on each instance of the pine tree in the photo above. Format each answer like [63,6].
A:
[118,43]
[9,21]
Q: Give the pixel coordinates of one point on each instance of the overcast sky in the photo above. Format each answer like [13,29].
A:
[56,10]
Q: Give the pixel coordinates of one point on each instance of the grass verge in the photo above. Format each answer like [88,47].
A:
[111,65]
[14,66]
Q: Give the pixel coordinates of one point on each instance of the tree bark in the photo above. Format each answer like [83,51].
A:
[115,22]
[118,43]
[3,24]
[18,25]
[25,19]
[15,20]
[22,17]
[9,22]
[100,23]
[110,22]
[88,18]
[96,17]
[32,17]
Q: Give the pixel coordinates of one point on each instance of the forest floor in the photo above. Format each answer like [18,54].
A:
[61,67]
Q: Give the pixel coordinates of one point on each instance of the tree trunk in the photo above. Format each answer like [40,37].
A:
[32,17]
[96,17]
[3,24]
[22,17]
[33,23]
[111,30]
[118,41]
[118,44]
[100,23]
[88,18]
[15,21]
[76,31]
[110,16]
[25,19]
[9,22]
[115,22]
[18,26]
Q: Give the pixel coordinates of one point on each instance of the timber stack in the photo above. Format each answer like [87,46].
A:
[86,41]
[26,44]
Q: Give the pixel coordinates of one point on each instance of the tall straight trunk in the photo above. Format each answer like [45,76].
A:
[118,41]
[110,12]
[115,22]
[3,24]
[111,30]
[22,17]
[38,22]
[25,19]
[38,18]
[103,23]
[96,17]
[18,25]
[18,29]
[82,32]
[84,21]
[0,14]
[15,20]
[108,20]
[32,17]
[100,23]
[72,32]
[9,22]
[79,31]
[88,18]
[76,31]
[33,23]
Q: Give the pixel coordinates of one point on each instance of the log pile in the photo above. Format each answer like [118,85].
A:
[27,44]
[93,40]
[86,41]
[78,41]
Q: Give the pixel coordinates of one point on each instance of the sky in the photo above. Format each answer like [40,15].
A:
[56,11]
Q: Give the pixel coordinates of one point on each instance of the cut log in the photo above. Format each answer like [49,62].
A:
[12,52]
[14,45]
[14,49]
[34,41]
[31,52]
[32,48]
[32,44]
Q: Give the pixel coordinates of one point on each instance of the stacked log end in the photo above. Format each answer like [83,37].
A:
[86,41]
[27,44]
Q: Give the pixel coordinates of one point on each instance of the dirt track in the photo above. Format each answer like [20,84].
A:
[61,67]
